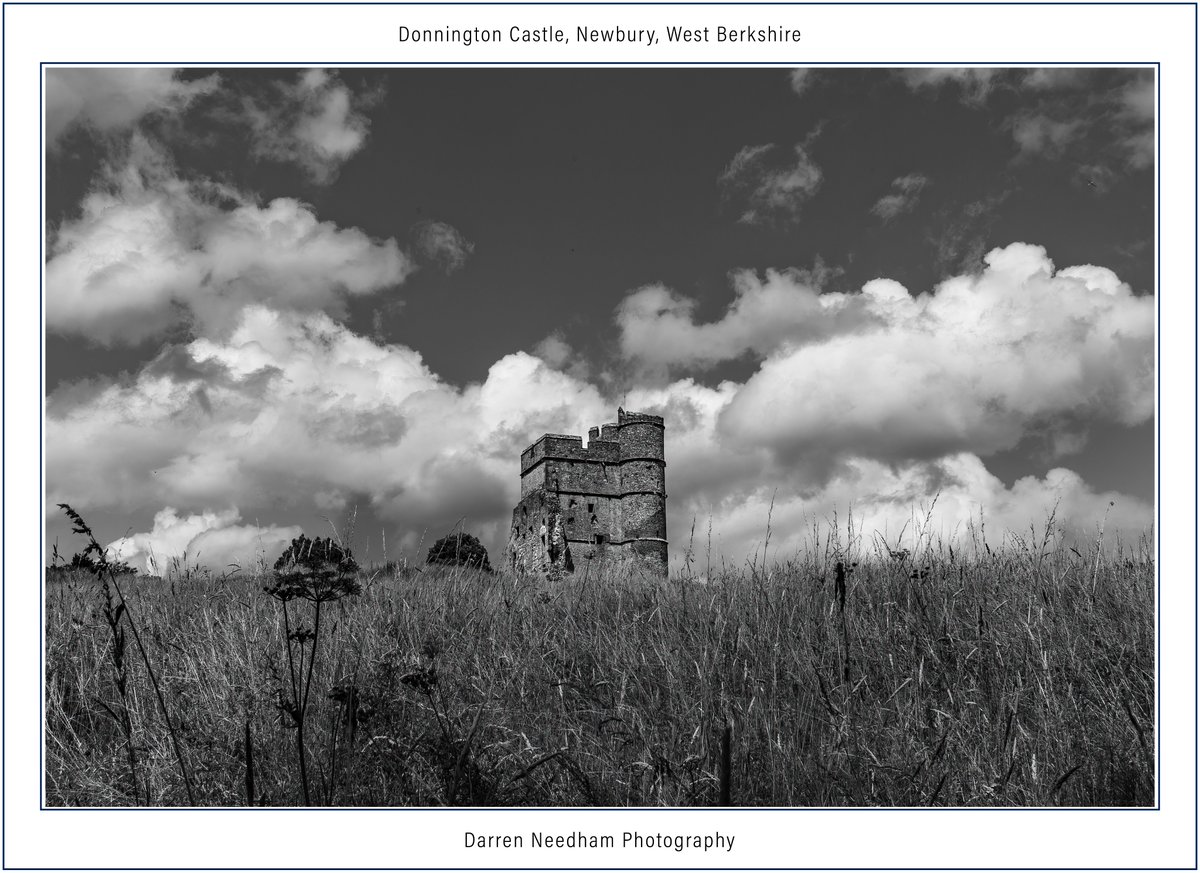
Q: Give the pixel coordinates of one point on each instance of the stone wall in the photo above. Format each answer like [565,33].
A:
[537,541]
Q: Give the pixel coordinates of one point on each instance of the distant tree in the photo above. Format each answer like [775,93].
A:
[306,554]
[460,550]
[85,562]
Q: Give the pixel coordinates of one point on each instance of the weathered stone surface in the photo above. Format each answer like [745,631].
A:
[605,503]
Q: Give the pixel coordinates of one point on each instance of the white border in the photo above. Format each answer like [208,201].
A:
[339,34]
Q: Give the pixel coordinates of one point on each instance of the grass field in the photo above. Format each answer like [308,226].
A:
[1018,675]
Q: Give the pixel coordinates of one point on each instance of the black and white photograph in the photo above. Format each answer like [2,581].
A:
[575,437]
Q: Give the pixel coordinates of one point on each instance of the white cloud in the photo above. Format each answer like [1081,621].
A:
[442,245]
[214,540]
[909,506]
[110,99]
[974,84]
[1137,98]
[906,191]
[801,79]
[560,355]
[767,186]
[1136,108]
[150,250]
[979,363]
[1040,134]
[295,410]
[714,477]
[1110,124]
[554,350]
[658,327]
[315,122]
[1074,110]
[976,365]
[1055,78]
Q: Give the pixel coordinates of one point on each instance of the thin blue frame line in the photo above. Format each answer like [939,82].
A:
[4,453]
[401,64]
[1158,793]
[1195,433]
[41,440]
[725,810]
[1158,662]
[393,63]
[521,867]
[603,3]
[1157,807]
[1158,703]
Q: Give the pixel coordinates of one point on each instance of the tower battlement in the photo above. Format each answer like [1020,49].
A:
[605,501]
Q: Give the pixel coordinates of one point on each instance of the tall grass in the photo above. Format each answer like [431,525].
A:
[851,675]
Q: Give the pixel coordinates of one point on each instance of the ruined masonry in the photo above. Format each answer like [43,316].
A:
[605,504]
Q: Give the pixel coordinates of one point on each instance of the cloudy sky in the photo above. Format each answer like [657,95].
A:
[278,298]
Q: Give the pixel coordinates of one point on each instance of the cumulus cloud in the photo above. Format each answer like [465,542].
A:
[296,410]
[881,412]
[113,99]
[717,478]
[150,250]
[875,399]
[315,122]
[906,191]
[976,365]
[211,539]
[441,244]
[658,327]
[768,185]
[554,350]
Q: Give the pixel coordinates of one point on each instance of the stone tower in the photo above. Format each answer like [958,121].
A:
[604,504]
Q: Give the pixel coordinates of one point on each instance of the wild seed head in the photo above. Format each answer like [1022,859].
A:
[422,680]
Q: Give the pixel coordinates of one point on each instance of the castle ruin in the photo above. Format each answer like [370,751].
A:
[604,505]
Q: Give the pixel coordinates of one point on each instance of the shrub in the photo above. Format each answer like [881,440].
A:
[306,554]
[85,562]
[459,550]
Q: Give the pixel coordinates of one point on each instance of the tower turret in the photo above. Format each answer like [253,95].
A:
[643,487]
